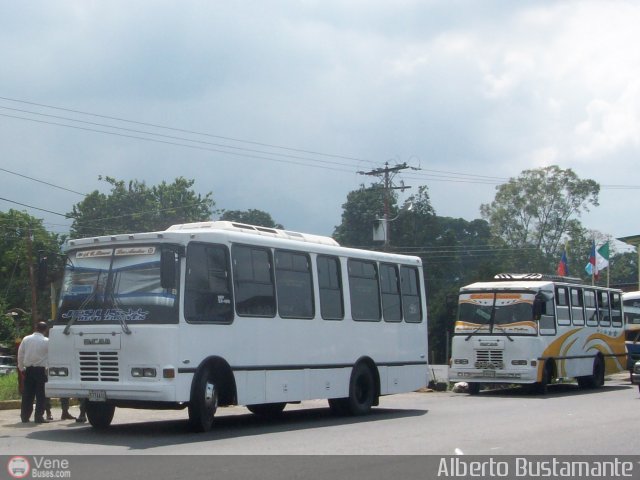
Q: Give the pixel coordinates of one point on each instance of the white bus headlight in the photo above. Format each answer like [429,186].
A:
[147,372]
[461,361]
[58,372]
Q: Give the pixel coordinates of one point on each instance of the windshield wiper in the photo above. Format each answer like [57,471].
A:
[475,331]
[483,314]
[73,318]
[503,330]
[121,318]
[116,304]
[124,326]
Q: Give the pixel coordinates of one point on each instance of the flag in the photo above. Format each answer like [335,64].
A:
[602,257]
[592,266]
[598,260]
[563,266]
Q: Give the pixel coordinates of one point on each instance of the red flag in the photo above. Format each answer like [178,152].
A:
[563,267]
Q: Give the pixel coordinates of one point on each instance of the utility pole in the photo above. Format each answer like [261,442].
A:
[32,279]
[387,173]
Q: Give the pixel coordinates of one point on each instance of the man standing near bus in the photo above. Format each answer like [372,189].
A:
[32,361]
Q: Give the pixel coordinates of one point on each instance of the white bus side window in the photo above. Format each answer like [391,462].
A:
[562,306]
[364,290]
[294,286]
[411,302]
[577,306]
[390,287]
[253,281]
[590,308]
[616,315]
[603,309]
[330,287]
[208,296]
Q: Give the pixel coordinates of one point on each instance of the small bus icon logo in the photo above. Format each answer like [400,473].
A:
[18,467]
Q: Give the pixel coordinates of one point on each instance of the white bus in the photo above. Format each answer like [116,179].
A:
[219,313]
[532,329]
[631,302]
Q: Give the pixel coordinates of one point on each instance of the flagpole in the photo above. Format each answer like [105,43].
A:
[608,260]
[595,262]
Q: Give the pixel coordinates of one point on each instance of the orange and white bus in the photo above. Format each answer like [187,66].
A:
[533,329]
[631,302]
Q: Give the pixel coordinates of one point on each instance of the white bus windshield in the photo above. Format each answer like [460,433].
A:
[632,322]
[632,313]
[509,313]
[116,285]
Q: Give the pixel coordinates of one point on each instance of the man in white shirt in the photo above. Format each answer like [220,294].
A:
[32,361]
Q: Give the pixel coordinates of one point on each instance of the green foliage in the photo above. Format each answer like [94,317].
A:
[251,217]
[461,252]
[15,285]
[360,213]
[537,210]
[9,387]
[624,271]
[135,207]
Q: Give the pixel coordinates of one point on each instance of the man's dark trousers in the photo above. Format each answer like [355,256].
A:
[34,380]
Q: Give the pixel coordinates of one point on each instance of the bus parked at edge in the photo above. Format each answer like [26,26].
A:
[219,313]
[631,302]
[533,329]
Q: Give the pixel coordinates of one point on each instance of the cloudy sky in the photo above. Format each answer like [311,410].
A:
[277,105]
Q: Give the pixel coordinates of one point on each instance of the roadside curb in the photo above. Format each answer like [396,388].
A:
[9,404]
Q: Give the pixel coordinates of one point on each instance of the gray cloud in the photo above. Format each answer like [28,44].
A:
[480,88]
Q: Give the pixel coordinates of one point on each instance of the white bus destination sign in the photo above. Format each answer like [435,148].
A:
[119,252]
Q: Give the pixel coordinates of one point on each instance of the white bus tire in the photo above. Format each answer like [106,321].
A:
[100,414]
[267,410]
[362,390]
[204,402]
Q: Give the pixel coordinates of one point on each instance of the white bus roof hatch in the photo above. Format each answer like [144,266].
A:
[256,230]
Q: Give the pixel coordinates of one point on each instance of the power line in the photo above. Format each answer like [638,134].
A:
[387,174]
[35,208]
[103,219]
[42,181]
[193,132]
[437,175]
[196,147]
[172,137]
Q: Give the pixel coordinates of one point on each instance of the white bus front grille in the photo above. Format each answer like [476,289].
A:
[489,359]
[99,367]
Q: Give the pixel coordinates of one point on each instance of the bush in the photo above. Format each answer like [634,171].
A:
[9,387]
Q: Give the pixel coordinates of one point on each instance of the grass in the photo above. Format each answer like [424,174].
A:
[9,387]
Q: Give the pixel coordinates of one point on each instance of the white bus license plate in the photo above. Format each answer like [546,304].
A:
[97,396]
[489,373]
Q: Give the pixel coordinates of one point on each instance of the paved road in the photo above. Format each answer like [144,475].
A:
[566,421]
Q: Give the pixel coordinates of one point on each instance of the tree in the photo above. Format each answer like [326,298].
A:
[25,241]
[454,252]
[251,217]
[135,207]
[360,214]
[537,210]
[624,271]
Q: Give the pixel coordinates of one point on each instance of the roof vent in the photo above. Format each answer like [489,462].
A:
[256,230]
